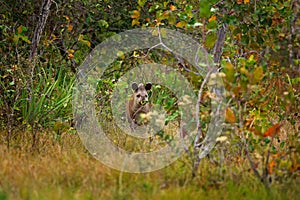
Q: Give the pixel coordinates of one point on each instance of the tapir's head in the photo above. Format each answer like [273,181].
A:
[140,95]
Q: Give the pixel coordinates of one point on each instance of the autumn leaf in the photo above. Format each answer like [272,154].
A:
[273,130]
[135,22]
[20,29]
[229,116]
[271,165]
[70,56]
[244,71]
[67,18]
[239,1]
[86,42]
[70,27]
[212,18]
[181,24]
[172,7]
[135,14]
[246,1]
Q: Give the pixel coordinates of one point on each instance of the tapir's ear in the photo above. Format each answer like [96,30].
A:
[134,86]
[148,86]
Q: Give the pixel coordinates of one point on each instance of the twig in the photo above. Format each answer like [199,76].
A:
[257,174]
[199,130]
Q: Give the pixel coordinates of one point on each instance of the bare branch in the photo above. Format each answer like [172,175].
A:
[199,130]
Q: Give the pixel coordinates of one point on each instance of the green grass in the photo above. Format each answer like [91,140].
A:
[65,170]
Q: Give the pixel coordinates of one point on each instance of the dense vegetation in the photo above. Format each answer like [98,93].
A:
[255,45]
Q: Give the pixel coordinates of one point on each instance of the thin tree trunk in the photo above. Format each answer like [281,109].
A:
[45,9]
[218,48]
[44,12]
[294,37]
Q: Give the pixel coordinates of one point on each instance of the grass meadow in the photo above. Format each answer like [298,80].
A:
[62,168]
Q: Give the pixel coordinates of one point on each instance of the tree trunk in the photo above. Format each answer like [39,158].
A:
[45,9]
[218,48]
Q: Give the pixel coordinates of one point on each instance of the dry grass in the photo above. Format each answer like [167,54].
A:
[63,169]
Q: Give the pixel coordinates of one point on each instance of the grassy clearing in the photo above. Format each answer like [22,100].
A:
[63,169]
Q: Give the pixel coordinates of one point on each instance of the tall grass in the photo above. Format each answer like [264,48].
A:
[49,98]
[64,170]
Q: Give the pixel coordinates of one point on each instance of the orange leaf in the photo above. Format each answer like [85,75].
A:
[271,165]
[229,116]
[246,1]
[70,27]
[273,130]
[70,56]
[239,1]
[172,7]
[135,14]
[20,29]
[180,24]
[212,18]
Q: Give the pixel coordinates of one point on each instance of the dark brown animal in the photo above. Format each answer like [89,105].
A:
[138,106]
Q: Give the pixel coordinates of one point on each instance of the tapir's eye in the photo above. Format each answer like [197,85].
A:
[138,96]
[146,96]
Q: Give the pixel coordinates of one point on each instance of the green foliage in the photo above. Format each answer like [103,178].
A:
[48,100]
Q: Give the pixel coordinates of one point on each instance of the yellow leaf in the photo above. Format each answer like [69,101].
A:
[71,50]
[244,71]
[135,22]
[70,27]
[87,43]
[246,1]
[257,75]
[229,116]
[181,24]
[67,18]
[80,37]
[136,54]
[53,36]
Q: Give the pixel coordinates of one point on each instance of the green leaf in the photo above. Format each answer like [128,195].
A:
[172,19]
[257,75]
[103,24]
[212,25]
[205,9]
[142,2]
[211,39]
[229,71]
